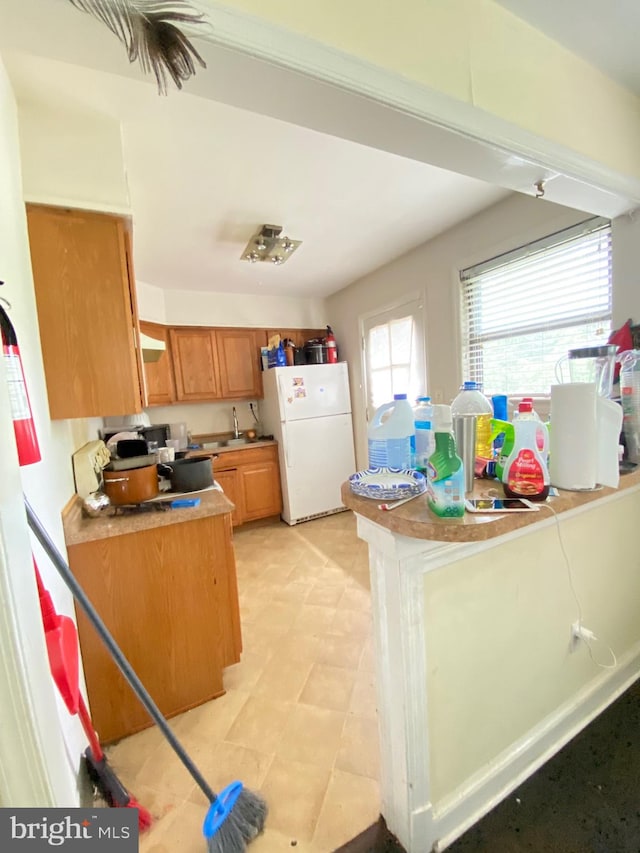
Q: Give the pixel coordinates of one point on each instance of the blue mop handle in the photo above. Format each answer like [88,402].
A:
[122,663]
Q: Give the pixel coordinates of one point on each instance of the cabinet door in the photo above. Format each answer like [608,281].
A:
[230,484]
[261,496]
[158,375]
[195,363]
[85,304]
[168,595]
[239,357]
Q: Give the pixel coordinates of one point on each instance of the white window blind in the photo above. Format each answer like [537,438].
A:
[523,310]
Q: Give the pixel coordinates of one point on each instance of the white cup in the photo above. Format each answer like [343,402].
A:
[166,454]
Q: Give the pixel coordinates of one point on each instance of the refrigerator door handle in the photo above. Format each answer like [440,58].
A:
[282,396]
[287,444]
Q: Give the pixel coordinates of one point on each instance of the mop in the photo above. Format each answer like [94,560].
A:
[61,638]
[236,815]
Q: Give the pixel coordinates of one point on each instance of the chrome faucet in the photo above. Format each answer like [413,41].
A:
[236,431]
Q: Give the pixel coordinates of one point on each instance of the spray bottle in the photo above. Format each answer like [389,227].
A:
[504,428]
[445,472]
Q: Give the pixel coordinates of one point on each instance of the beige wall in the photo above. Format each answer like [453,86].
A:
[431,272]
[72,157]
[478,54]
[498,634]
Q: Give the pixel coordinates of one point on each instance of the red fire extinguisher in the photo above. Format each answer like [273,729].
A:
[24,428]
[332,347]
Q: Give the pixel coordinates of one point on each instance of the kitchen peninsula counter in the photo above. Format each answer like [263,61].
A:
[479,678]
[415,519]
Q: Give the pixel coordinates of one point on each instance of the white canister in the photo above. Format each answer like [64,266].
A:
[166,454]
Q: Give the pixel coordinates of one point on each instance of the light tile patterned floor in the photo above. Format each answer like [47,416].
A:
[298,721]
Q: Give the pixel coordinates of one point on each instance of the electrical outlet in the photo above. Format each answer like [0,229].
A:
[579,632]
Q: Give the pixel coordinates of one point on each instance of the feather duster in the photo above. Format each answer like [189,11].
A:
[149,30]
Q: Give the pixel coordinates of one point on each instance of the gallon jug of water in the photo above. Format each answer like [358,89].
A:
[391,435]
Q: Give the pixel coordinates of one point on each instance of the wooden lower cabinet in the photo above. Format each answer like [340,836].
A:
[260,486]
[229,481]
[250,478]
[169,596]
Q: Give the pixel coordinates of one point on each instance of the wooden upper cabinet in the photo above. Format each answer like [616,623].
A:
[85,298]
[239,358]
[158,375]
[195,363]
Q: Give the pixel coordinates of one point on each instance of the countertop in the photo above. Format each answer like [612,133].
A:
[415,519]
[215,451]
[79,528]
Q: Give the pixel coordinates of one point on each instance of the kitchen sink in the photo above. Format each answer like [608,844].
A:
[230,442]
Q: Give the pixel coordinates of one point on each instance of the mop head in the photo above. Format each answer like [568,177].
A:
[112,790]
[234,819]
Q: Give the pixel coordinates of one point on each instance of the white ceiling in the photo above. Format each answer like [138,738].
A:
[204,174]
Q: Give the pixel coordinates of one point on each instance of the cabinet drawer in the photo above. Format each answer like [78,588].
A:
[247,456]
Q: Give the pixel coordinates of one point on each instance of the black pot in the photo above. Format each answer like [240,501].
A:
[188,475]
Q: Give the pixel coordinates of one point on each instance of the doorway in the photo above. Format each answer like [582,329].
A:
[393,354]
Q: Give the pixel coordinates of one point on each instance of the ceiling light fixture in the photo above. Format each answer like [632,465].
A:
[269,244]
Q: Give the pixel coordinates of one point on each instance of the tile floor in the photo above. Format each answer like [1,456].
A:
[298,721]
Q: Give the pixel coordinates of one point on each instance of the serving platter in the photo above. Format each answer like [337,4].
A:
[387,484]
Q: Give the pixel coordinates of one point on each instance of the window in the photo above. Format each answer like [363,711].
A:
[393,355]
[523,310]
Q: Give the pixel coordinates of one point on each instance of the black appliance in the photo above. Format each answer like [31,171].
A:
[315,352]
[155,432]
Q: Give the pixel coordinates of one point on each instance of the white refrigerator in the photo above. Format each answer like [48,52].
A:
[308,411]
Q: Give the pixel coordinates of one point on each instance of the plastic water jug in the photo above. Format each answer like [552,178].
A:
[425,440]
[391,439]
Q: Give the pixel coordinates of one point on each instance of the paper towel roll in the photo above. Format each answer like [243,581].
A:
[573,441]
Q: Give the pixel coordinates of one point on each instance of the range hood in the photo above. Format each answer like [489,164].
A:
[151,348]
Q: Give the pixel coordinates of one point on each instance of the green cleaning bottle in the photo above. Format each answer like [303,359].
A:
[445,472]
[497,428]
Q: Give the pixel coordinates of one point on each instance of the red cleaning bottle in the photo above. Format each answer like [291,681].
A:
[332,347]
